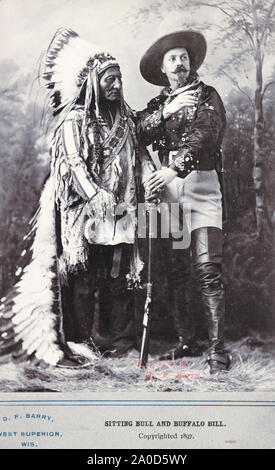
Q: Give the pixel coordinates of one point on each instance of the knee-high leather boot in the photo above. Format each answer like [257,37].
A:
[207,251]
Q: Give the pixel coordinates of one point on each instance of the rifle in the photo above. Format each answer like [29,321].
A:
[148,302]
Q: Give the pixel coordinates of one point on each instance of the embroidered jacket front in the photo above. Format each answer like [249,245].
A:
[194,134]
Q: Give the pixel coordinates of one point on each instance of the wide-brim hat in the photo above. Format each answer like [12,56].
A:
[150,64]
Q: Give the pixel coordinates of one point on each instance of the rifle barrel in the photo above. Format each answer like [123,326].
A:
[147,307]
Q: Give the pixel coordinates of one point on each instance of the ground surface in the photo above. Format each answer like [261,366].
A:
[253,369]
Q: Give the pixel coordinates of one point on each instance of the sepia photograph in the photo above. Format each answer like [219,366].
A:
[137,218]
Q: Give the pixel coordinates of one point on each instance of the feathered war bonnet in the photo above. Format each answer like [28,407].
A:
[71,69]
[70,63]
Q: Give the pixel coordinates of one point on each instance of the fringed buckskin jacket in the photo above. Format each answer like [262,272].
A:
[78,176]
[31,313]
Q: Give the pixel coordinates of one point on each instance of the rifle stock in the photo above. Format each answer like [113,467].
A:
[146,326]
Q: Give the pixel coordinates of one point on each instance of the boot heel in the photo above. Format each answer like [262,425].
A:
[219,362]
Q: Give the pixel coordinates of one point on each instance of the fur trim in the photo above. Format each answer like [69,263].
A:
[72,262]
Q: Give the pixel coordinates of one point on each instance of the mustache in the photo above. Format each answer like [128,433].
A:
[180,68]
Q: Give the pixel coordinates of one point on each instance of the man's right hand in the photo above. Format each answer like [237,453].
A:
[185,98]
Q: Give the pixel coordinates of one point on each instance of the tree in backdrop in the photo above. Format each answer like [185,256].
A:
[21,168]
[247,30]
[238,153]
[248,269]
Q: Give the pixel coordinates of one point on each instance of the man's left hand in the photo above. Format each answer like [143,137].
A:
[159,179]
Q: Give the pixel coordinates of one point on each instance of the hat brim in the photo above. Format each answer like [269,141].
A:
[150,64]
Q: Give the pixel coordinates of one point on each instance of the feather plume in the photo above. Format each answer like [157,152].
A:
[29,322]
[65,66]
